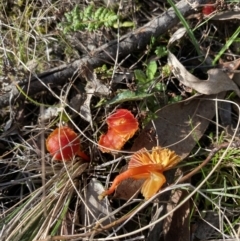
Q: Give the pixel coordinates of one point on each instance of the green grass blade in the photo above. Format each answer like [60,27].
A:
[185,24]
[227,45]
[62,216]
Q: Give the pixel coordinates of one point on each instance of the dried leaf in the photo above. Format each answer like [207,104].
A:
[76,102]
[236,78]
[231,67]
[206,227]
[179,125]
[177,35]
[95,210]
[85,110]
[179,220]
[225,113]
[217,81]
[93,87]
[227,15]
[50,112]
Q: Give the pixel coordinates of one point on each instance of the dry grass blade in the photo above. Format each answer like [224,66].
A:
[29,221]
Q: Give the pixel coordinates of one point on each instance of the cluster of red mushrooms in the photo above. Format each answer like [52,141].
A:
[64,144]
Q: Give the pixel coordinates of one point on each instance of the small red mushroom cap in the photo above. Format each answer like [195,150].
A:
[123,122]
[208,9]
[63,144]
[122,125]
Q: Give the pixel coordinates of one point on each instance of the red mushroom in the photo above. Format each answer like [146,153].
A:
[208,9]
[63,144]
[111,140]
[123,122]
[122,125]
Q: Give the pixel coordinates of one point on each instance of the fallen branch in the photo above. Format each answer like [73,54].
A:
[129,43]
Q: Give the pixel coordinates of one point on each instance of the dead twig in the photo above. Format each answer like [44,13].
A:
[213,152]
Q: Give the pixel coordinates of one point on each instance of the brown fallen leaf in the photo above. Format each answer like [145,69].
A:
[225,108]
[230,67]
[177,35]
[207,225]
[217,82]
[227,15]
[236,78]
[176,225]
[92,210]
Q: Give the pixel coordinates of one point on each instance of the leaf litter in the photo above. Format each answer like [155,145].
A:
[217,81]
[179,126]
[93,87]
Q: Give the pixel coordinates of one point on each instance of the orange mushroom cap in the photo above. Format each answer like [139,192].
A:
[111,140]
[122,125]
[63,144]
[123,122]
[148,166]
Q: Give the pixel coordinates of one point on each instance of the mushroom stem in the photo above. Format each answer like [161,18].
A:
[83,155]
[141,172]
